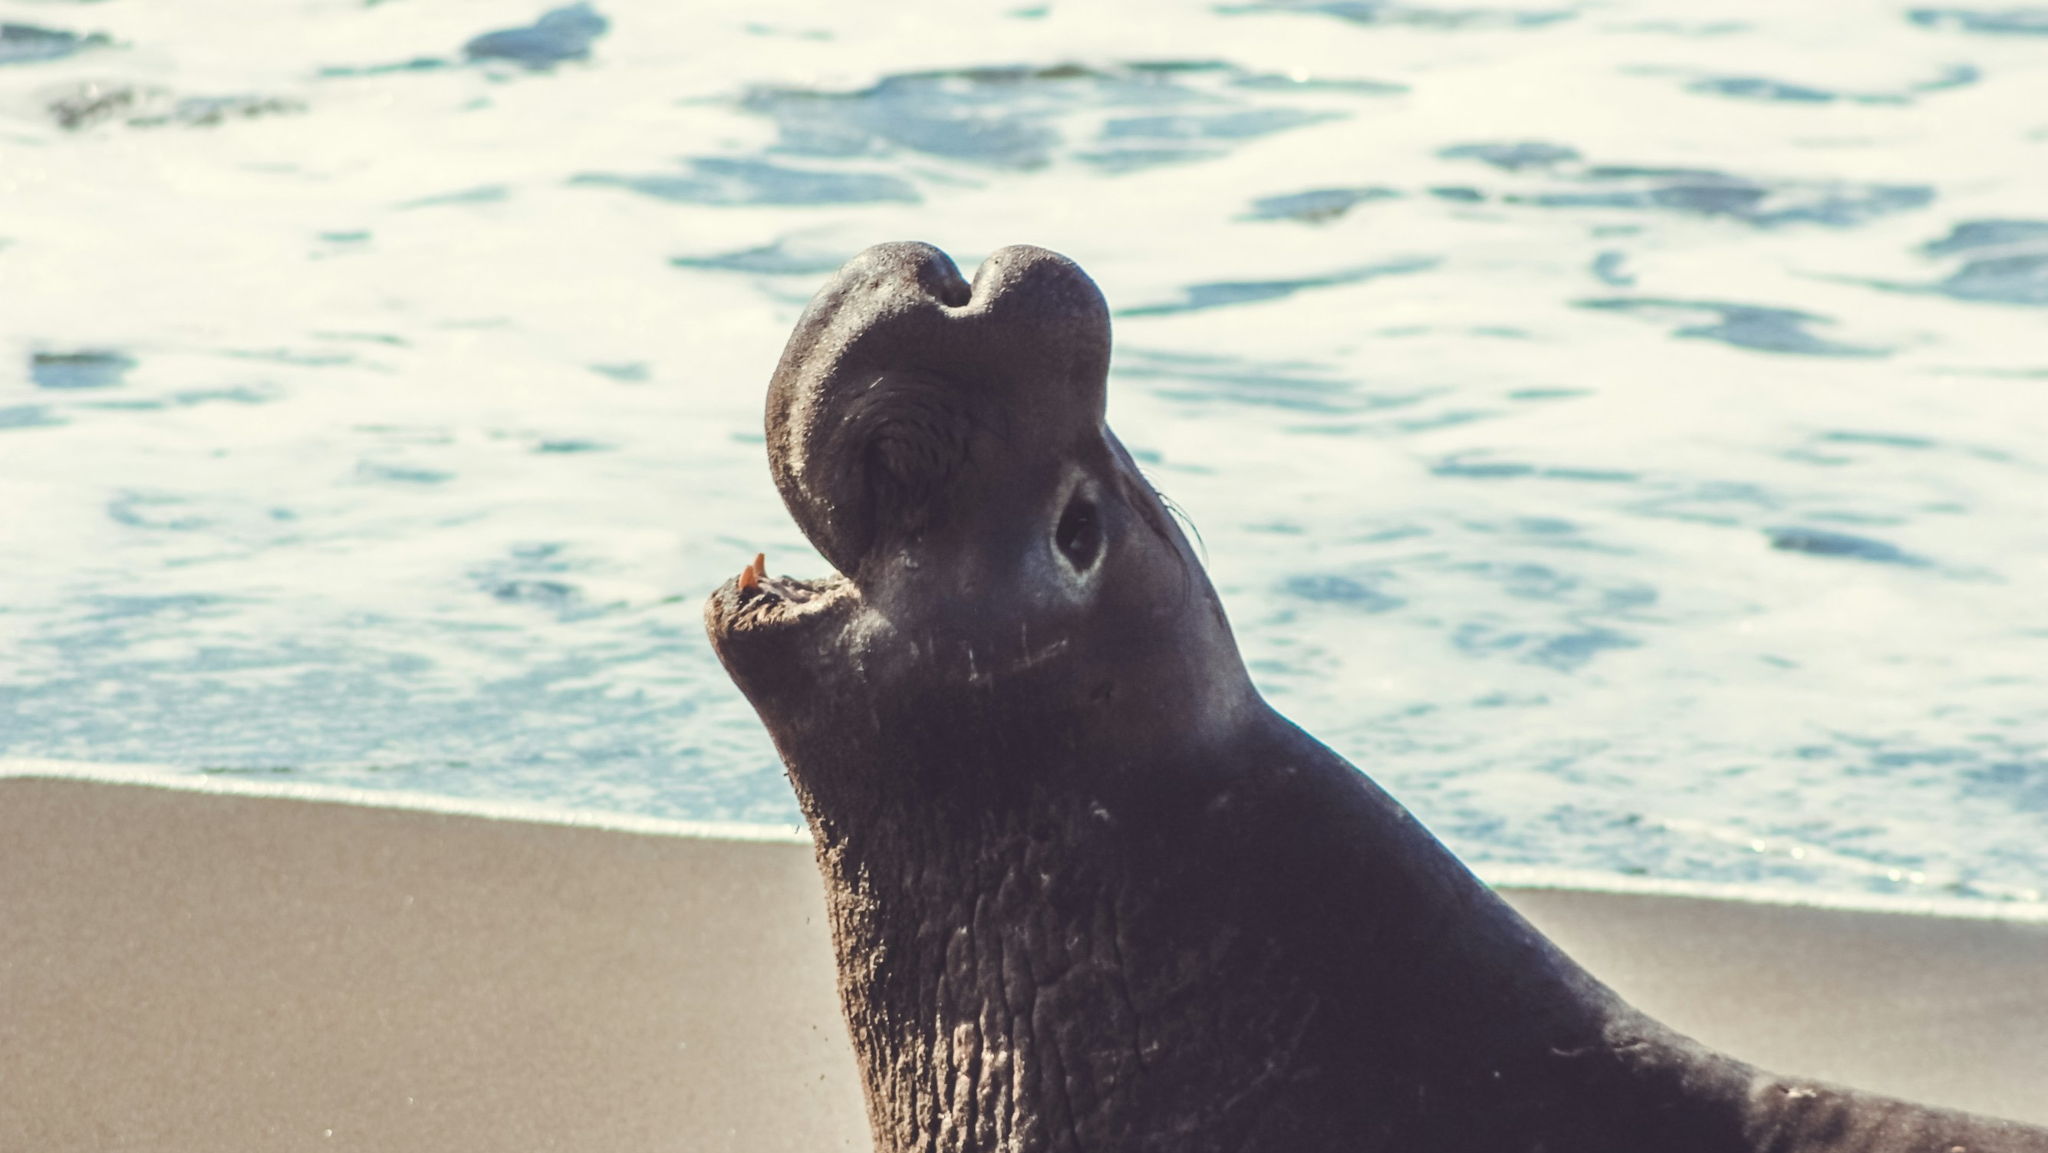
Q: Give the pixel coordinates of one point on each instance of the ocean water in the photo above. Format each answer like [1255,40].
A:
[1621,428]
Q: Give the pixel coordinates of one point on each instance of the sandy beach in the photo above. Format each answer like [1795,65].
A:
[188,970]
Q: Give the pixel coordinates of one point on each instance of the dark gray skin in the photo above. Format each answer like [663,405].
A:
[1088,891]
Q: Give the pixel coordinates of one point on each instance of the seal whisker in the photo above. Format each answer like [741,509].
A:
[1186,522]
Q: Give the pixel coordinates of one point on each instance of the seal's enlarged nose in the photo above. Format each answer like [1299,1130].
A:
[1025,346]
[902,267]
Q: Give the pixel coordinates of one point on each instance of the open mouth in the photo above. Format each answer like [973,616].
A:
[755,601]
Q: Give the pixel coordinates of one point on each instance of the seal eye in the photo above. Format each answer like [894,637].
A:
[1079,535]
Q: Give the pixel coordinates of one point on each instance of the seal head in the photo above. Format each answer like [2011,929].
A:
[1010,580]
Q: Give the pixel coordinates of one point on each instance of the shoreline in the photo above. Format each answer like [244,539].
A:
[1543,878]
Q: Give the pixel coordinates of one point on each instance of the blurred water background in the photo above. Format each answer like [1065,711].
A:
[1621,428]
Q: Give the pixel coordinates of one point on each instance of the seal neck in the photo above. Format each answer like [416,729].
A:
[1256,944]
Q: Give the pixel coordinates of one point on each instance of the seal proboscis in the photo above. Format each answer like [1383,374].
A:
[1088,891]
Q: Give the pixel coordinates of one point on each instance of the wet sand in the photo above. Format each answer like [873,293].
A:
[190,971]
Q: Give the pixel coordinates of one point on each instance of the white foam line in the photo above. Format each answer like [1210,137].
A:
[1590,880]
[188,780]
[1501,876]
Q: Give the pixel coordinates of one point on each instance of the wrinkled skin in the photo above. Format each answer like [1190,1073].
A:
[1088,891]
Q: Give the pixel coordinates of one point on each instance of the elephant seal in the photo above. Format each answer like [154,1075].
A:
[1088,891]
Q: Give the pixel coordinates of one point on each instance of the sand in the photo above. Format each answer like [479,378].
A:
[182,970]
